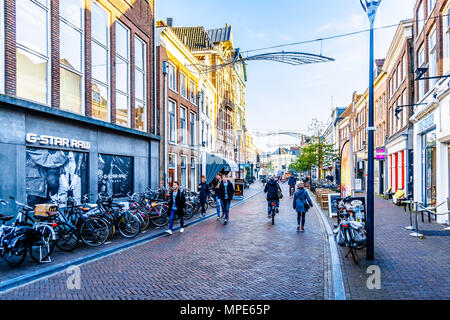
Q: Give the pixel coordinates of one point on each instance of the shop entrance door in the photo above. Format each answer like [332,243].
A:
[381,167]
[171,177]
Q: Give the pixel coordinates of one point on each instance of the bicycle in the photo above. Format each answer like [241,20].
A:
[273,206]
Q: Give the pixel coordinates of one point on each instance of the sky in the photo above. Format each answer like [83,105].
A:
[284,97]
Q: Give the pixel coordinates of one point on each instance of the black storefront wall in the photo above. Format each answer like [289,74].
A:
[43,155]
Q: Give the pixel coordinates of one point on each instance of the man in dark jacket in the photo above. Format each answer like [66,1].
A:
[271,189]
[177,205]
[216,185]
[203,189]
[291,183]
[226,192]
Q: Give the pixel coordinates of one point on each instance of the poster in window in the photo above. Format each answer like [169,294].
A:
[52,175]
[115,175]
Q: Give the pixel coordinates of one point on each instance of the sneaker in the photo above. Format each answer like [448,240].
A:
[269,216]
[302,230]
[203,214]
[169,231]
[298,228]
[225,221]
[182,230]
[218,218]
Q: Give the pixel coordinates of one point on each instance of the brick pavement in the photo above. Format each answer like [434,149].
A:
[411,268]
[246,259]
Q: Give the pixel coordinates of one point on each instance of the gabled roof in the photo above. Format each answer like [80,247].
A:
[221,34]
[195,38]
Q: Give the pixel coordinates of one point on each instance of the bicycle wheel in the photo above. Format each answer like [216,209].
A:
[163,218]
[189,211]
[212,202]
[42,247]
[16,255]
[129,225]
[351,247]
[66,237]
[273,216]
[145,217]
[94,231]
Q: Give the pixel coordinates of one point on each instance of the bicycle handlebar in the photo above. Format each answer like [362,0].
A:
[26,207]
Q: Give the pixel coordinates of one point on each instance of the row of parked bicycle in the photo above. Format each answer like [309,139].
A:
[66,224]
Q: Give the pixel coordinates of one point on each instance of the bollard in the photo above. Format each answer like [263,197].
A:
[416,233]
[410,227]
[448,218]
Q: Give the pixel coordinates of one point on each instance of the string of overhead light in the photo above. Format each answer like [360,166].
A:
[340,35]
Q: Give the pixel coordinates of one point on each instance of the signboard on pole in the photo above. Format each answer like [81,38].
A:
[239,188]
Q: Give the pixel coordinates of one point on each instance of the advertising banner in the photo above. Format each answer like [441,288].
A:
[52,175]
[115,175]
[239,188]
[346,179]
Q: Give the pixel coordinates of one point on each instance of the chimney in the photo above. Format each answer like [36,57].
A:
[170,22]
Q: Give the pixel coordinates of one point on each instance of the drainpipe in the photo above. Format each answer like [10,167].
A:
[155,122]
[165,70]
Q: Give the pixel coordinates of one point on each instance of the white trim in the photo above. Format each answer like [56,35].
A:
[137,69]
[127,60]
[185,131]
[168,121]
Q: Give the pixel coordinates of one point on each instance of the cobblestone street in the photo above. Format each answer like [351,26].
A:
[246,259]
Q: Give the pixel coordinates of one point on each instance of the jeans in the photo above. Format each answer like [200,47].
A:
[172,216]
[301,218]
[277,202]
[226,208]
[219,204]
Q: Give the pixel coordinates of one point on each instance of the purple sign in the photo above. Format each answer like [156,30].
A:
[380,154]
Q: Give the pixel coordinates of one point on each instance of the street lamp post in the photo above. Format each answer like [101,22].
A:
[370,6]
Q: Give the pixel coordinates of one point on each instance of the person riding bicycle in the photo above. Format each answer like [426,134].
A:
[291,183]
[271,189]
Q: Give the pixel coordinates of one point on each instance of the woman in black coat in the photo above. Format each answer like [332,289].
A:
[203,188]
[177,205]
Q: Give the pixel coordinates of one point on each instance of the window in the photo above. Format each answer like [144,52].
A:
[32,49]
[183,85]
[122,75]
[207,135]
[193,132]
[405,110]
[71,56]
[172,77]
[193,91]
[420,18]
[172,122]
[172,168]
[446,33]
[202,101]
[433,58]
[203,134]
[405,66]
[207,107]
[399,75]
[184,172]
[421,64]
[431,5]
[193,175]
[183,126]
[100,47]
[140,76]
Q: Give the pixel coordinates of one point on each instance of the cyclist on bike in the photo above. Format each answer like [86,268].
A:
[291,183]
[271,189]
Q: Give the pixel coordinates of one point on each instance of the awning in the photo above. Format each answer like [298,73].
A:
[216,164]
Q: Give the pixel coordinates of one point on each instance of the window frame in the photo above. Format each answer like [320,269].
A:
[432,51]
[183,131]
[108,58]
[144,72]
[127,61]
[185,87]
[420,20]
[81,73]
[174,129]
[192,126]
[173,69]
[193,92]
[37,54]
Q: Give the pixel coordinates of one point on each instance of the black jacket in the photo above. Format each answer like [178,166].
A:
[180,201]
[272,190]
[222,191]
[203,188]
[214,183]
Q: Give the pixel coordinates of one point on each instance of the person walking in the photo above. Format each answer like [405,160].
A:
[216,185]
[226,192]
[203,189]
[302,202]
[291,183]
[177,205]
[271,189]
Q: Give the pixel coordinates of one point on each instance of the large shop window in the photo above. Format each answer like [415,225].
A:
[115,175]
[140,76]
[100,47]
[122,75]
[429,168]
[32,38]
[55,174]
[71,55]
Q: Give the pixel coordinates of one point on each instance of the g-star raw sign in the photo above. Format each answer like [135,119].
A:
[58,141]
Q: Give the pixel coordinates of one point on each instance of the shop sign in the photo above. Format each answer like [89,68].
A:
[239,187]
[346,183]
[57,141]
[426,123]
[380,153]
